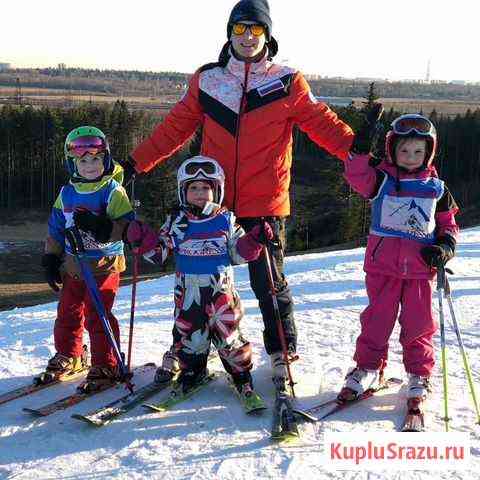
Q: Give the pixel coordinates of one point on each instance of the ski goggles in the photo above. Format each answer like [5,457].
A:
[82,146]
[407,125]
[241,28]
[207,168]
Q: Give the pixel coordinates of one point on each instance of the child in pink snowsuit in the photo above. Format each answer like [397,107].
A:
[412,231]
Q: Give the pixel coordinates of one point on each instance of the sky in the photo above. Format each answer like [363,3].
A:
[392,39]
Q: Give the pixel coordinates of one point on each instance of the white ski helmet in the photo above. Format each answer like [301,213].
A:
[200,168]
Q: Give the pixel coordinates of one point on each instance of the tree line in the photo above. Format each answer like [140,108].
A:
[324,209]
[331,87]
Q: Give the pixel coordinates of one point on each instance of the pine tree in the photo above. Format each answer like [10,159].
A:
[371,97]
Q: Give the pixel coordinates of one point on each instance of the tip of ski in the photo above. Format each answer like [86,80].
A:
[83,418]
[285,437]
[256,410]
[303,415]
[36,387]
[34,412]
[415,418]
[154,408]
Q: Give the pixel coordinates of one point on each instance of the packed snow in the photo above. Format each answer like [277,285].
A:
[209,436]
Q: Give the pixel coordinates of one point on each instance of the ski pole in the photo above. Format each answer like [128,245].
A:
[466,363]
[278,320]
[135,204]
[78,249]
[440,292]
[132,309]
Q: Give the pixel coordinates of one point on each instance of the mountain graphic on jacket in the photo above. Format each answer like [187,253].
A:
[413,223]
[412,205]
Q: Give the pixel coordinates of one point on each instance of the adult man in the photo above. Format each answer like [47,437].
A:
[248,107]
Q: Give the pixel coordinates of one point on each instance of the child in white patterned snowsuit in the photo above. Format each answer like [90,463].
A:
[206,242]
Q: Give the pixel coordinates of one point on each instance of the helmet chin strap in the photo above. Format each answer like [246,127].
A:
[206,211]
[209,208]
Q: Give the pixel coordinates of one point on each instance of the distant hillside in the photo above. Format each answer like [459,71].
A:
[111,82]
[122,82]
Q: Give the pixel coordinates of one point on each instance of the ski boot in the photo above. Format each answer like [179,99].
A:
[99,378]
[169,368]
[61,367]
[243,383]
[418,387]
[189,379]
[358,381]
[187,384]
[251,401]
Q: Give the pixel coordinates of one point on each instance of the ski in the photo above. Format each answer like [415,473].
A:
[339,405]
[415,417]
[284,423]
[304,415]
[37,386]
[252,403]
[321,406]
[104,415]
[176,395]
[78,397]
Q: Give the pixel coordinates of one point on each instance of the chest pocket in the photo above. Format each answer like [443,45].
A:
[269,92]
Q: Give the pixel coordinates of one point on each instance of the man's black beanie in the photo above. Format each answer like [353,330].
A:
[252,10]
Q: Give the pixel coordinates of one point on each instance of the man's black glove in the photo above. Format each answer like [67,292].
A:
[100,226]
[436,255]
[51,264]
[129,171]
[362,142]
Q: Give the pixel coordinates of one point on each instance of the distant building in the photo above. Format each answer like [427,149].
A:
[312,76]
[370,79]
[427,76]
[5,66]
[412,80]
[458,82]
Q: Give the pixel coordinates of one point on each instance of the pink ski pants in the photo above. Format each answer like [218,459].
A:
[386,295]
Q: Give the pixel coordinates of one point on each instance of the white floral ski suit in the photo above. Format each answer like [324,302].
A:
[207,306]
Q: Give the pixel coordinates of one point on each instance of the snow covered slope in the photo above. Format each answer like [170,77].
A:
[210,436]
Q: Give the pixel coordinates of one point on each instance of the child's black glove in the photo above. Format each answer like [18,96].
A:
[362,142]
[51,265]
[436,255]
[100,226]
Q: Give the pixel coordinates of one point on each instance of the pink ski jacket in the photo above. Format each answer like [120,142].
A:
[397,253]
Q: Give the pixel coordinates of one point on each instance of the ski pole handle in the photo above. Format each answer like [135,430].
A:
[75,240]
[441,278]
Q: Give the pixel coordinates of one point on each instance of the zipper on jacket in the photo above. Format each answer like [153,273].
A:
[376,248]
[237,136]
